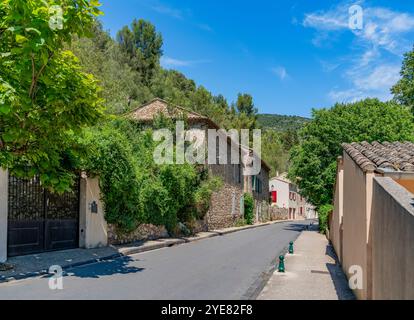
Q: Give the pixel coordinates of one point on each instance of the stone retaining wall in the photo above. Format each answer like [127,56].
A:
[277,213]
[143,232]
[225,207]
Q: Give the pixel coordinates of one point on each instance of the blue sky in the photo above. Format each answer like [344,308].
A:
[292,56]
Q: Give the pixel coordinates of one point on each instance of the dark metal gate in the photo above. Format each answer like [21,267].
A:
[39,220]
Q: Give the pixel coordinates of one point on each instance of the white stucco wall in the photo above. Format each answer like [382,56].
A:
[392,231]
[357,199]
[3,214]
[335,227]
[282,188]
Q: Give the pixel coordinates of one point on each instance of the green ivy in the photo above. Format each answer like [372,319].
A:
[135,189]
[323,213]
[248,208]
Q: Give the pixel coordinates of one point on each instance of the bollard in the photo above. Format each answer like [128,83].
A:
[281,264]
[291,247]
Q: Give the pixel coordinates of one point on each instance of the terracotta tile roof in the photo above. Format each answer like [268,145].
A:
[395,156]
[148,111]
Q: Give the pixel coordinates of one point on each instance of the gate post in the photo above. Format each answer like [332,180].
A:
[93,227]
[3,213]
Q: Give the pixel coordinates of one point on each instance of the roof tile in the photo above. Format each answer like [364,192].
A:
[397,156]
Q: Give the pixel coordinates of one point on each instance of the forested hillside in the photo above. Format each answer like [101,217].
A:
[280,122]
[129,72]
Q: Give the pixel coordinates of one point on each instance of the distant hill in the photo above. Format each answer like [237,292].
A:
[281,123]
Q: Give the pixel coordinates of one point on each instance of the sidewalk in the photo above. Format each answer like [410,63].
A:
[38,264]
[312,273]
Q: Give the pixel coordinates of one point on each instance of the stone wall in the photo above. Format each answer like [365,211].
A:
[264,214]
[225,207]
[277,213]
[198,226]
[143,232]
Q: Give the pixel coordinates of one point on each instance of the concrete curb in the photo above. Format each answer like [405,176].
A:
[124,252]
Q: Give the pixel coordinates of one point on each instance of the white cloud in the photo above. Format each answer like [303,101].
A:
[382,27]
[172,12]
[349,95]
[169,62]
[371,82]
[331,20]
[280,72]
[205,27]
[381,78]
[376,50]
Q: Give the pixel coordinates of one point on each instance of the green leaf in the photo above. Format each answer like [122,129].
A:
[8,137]
[20,38]
[5,54]
[5,109]
[33,30]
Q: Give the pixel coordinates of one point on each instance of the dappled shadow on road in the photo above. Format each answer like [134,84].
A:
[338,277]
[295,227]
[105,268]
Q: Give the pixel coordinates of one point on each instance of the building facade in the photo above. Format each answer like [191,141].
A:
[32,220]
[285,194]
[227,204]
[372,223]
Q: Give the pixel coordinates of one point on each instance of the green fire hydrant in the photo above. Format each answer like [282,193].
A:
[281,264]
[291,247]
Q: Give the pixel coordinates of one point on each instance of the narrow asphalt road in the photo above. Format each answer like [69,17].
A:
[233,266]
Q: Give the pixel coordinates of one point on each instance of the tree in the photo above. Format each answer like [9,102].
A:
[290,138]
[273,151]
[404,89]
[245,104]
[121,84]
[143,45]
[313,161]
[45,97]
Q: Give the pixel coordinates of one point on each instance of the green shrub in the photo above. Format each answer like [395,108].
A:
[240,222]
[110,156]
[136,190]
[323,213]
[248,208]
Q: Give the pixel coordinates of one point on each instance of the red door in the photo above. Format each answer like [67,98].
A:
[274,196]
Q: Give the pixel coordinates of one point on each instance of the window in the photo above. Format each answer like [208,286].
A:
[236,173]
[257,184]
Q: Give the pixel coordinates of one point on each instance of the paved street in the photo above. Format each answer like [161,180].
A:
[233,266]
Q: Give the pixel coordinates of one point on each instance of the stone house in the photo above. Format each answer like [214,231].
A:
[226,205]
[372,223]
[32,220]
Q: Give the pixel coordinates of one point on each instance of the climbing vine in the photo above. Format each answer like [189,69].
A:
[135,189]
